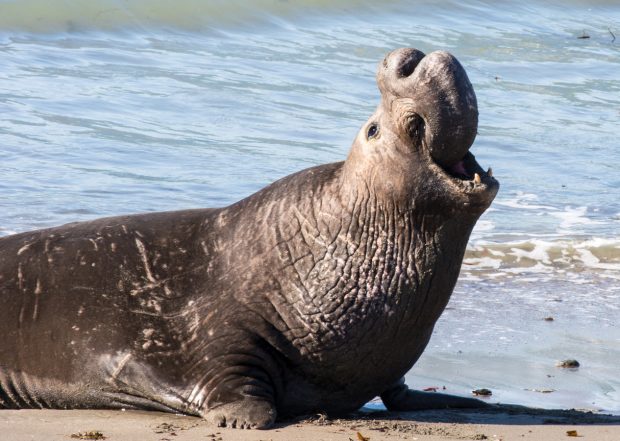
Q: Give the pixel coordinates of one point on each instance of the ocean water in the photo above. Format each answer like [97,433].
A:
[111,107]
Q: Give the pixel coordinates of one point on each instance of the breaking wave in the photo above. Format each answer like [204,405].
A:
[544,256]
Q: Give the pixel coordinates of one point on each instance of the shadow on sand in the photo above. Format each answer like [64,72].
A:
[494,414]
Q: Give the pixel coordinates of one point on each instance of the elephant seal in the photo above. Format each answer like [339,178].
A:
[317,293]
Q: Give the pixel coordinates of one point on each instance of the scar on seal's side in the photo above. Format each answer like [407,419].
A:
[317,293]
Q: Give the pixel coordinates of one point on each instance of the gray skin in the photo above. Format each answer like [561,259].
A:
[315,294]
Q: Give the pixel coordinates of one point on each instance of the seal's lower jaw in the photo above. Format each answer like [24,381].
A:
[472,188]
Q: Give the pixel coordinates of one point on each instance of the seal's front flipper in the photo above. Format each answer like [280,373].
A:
[240,395]
[248,413]
[401,398]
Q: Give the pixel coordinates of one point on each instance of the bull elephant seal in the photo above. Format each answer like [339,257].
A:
[317,293]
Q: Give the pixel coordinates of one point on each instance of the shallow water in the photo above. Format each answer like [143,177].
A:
[115,107]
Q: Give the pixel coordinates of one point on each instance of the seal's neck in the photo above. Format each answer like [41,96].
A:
[356,257]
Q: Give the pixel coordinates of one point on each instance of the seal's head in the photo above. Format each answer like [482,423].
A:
[414,150]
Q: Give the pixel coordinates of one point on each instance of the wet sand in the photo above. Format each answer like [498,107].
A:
[503,423]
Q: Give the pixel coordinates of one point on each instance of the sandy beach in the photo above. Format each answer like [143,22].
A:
[505,423]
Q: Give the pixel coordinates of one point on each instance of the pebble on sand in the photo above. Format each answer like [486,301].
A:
[570,363]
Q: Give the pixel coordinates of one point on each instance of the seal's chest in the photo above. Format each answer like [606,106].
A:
[359,322]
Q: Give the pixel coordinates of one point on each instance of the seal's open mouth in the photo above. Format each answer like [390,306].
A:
[468,177]
[468,169]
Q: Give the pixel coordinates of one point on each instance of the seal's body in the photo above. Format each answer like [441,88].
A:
[316,293]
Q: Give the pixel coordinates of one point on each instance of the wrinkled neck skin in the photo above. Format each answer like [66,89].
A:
[353,268]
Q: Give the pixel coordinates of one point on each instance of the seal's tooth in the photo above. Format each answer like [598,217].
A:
[490,172]
[477,179]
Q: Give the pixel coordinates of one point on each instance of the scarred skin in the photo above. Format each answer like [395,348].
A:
[317,293]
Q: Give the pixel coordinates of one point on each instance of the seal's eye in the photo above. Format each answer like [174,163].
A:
[373,130]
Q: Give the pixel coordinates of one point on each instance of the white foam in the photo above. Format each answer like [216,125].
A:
[543,255]
[484,225]
[590,260]
[483,262]
[539,253]
[539,268]
[572,217]
[523,201]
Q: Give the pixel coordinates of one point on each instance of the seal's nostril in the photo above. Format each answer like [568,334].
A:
[408,67]
[407,61]
[395,69]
